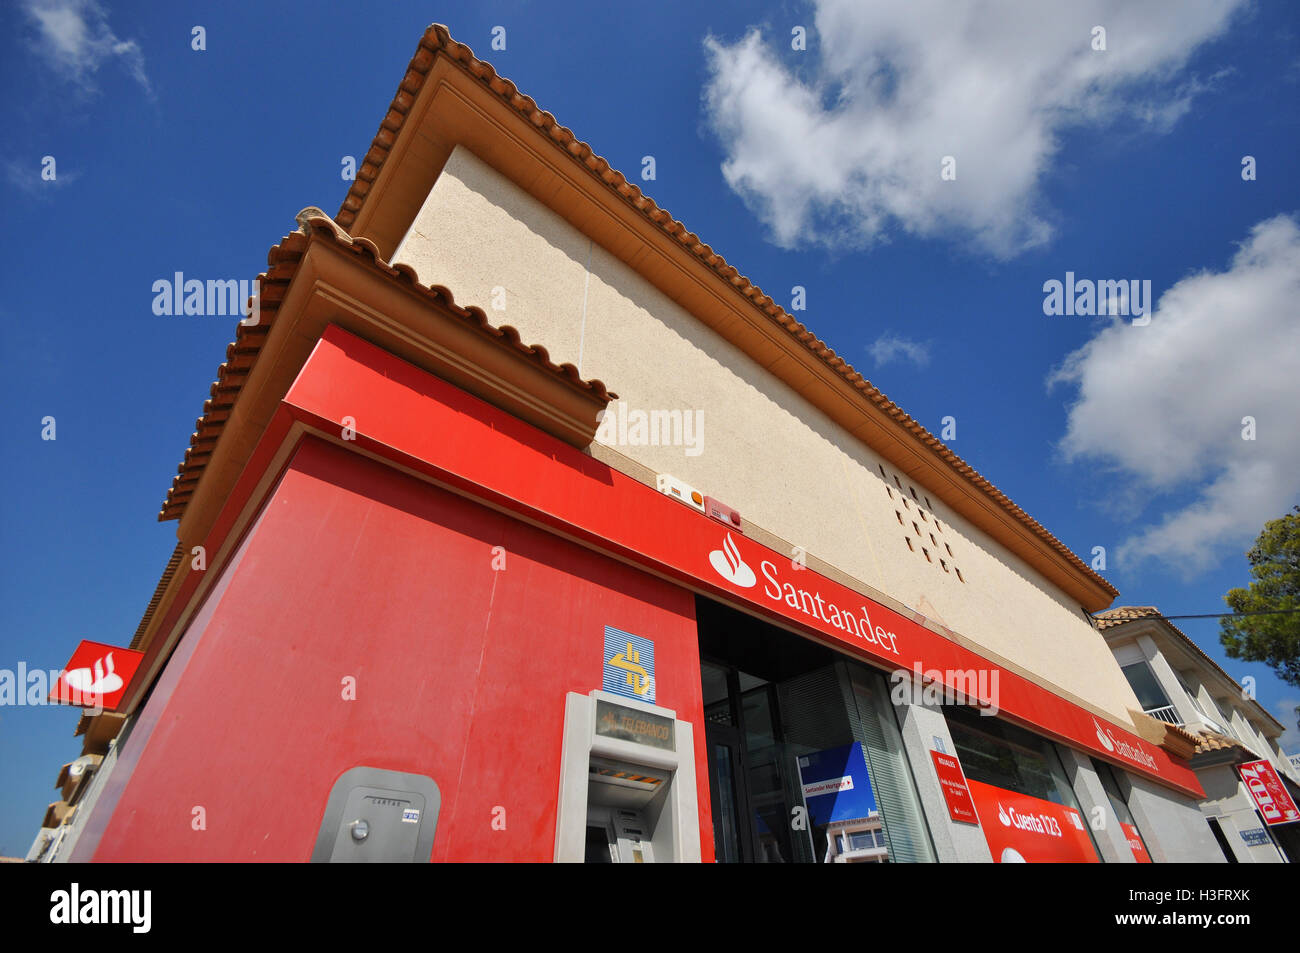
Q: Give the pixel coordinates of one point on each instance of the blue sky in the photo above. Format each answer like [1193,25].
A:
[817,167]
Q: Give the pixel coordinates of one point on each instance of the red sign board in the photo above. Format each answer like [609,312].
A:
[953,784]
[1135,843]
[1022,829]
[96,676]
[1270,795]
[434,428]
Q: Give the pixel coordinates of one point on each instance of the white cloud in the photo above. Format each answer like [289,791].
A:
[75,40]
[1164,403]
[851,148]
[891,347]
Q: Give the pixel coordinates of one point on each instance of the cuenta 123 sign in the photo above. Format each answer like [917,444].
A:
[96,676]
[1024,829]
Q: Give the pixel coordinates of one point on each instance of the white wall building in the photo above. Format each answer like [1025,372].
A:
[1179,684]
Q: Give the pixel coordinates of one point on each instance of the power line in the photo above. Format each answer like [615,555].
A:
[1206,615]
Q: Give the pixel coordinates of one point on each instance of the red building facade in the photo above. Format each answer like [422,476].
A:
[399,553]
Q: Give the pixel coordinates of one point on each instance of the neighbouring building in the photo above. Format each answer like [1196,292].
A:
[1177,683]
[522,526]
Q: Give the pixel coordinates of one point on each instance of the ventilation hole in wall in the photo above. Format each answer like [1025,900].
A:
[947,547]
[897,484]
[927,554]
[944,565]
[900,517]
[916,529]
[959,575]
[914,496]
[928,504]
[882,472]
[934,541]
[923,516]
[938,525]
[909,543]
[890,492]
[906,504]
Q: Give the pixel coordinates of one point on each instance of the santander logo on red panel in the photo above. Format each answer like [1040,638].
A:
[728,563]
[96,676]
[856,623]
[1106,738]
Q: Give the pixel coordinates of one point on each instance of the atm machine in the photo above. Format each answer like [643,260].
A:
[627,783]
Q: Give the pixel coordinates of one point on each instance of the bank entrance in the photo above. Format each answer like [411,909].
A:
[806,763]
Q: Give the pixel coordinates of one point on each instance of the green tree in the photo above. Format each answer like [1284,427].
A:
[1275,567]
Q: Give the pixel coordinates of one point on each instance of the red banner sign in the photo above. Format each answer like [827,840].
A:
[433,427]
[1270,795]
[953,784]
[96,676]
[1022,829]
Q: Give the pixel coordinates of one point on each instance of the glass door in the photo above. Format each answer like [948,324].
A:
[731,836]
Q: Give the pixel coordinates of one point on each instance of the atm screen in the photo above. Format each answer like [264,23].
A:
[598,846]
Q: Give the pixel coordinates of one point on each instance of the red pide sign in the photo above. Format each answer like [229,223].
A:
[426,424]
[1270,794]
[952,781]
[1022,829]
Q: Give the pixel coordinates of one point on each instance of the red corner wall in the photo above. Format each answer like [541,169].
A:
[354,569]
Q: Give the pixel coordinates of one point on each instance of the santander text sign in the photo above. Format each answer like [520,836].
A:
[798,594]
[854,622]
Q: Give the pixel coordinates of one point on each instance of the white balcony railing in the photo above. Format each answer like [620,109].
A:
[1166,714]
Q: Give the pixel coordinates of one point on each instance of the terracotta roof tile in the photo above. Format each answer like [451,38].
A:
[1213,741]
[241,354]
[1121,614]
[163,582]
[438,40]
[1188,736]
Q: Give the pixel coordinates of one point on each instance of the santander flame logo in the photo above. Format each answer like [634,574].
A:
[1103,736]
[1002,815]
[102,681]
[728,564]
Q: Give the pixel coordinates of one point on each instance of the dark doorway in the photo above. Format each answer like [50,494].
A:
[775,705]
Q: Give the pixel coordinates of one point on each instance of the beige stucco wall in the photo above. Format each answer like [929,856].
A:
[765,450]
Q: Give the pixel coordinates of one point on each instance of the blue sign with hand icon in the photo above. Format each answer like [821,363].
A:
[629,665]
